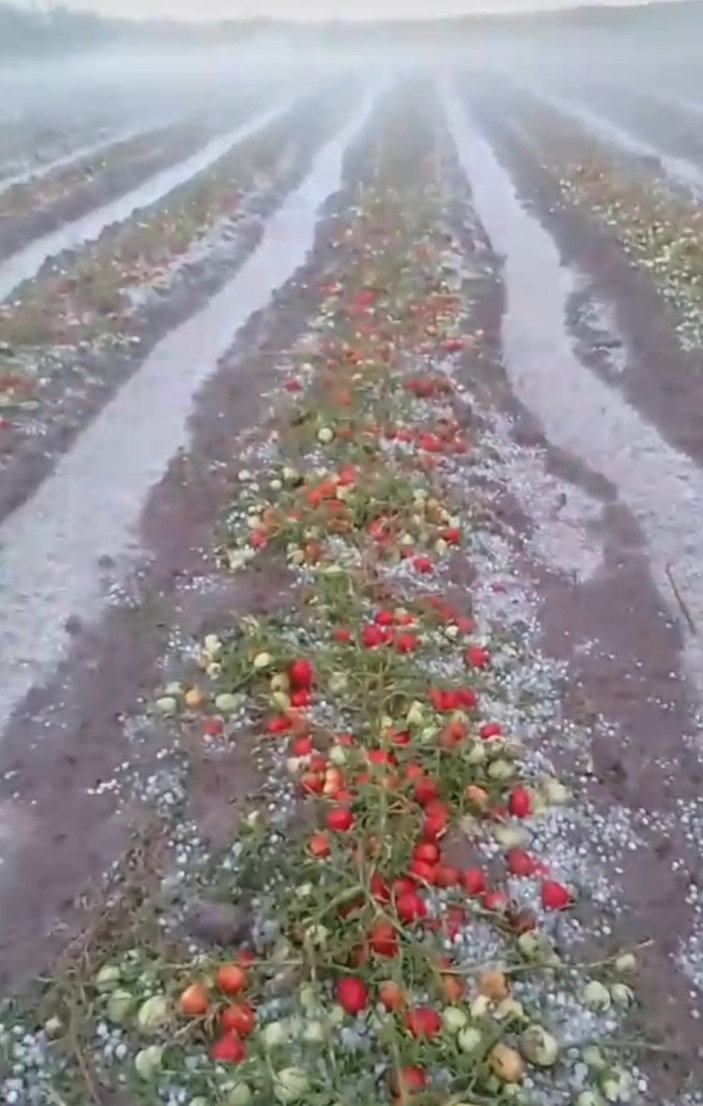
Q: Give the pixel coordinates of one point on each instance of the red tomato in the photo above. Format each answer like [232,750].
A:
[435,822]
[520,863]
[476,656]
[231,978]
[300,698]
[238,1018]
[300,674]
[423,1022]
[427,851]
[410,907]
[383,939]
[425,791]
[403,885]
[427,873]
[519,803]
[473,881]
[494,900]
[340,819]
[409,1080]
[352,995]
[554,895]
[446,876]
[489,730]
[379,888]
[301,747]
[228,1050]
[311,783]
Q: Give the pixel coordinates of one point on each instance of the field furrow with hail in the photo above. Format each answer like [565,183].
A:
[116,282]
[351,665]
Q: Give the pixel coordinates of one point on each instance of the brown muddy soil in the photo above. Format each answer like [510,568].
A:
[660,379]
[38,207]
[78,388]
[623,653]
[64,819]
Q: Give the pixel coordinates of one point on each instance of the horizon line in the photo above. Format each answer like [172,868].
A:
[541,8]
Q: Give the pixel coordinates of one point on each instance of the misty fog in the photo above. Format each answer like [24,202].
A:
[654,48]
[351,559]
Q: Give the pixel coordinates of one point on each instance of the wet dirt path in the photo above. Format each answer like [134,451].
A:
[633,657]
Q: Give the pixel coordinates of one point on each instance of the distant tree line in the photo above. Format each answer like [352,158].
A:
[54,31]
[37,31]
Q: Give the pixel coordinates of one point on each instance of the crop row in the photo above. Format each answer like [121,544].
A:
[676,128]
[40,204]
[659,226]
[106,295]
[401,921]
[26,142]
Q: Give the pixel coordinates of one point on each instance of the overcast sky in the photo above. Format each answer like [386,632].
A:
[305,9]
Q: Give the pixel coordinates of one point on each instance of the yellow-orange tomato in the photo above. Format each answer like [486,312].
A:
[493,984]
[391,995]
[319,845]
[452,988]
[334,782]
[298,724]
[194,1002]
[477,795]
[194,698]
[313,552]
